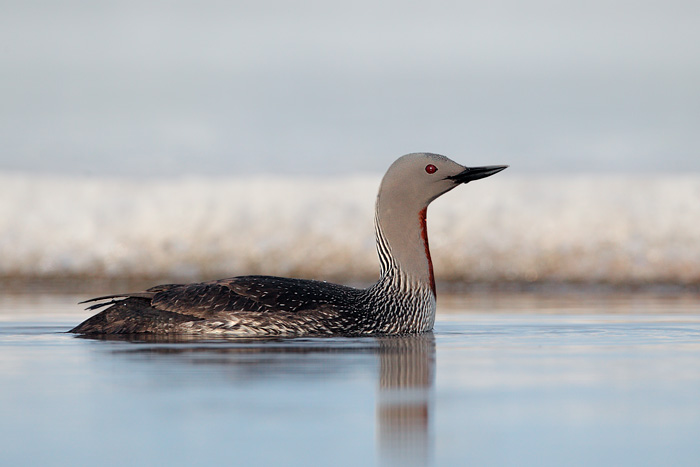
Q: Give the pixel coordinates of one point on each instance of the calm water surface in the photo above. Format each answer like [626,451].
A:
[506,380]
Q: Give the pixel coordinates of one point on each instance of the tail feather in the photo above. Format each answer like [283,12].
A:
[123,295]
[148,294]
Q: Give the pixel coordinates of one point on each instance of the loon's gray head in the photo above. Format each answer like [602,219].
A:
[417,179]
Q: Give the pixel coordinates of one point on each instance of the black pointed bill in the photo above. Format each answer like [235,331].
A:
[476,173]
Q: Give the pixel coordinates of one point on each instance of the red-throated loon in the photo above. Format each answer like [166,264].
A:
[402,301]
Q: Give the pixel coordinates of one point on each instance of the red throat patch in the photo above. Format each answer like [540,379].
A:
[424,235]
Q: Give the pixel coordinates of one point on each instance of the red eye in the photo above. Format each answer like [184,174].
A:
[430,168]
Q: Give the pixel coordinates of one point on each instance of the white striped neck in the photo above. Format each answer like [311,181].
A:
[404,254]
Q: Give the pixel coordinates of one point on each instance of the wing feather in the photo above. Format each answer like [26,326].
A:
[253,294]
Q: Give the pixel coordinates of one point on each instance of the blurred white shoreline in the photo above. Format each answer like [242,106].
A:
[632,230]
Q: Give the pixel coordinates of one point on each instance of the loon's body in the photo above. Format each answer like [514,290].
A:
[402,301]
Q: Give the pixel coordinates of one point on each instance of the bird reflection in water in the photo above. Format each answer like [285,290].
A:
[405,380]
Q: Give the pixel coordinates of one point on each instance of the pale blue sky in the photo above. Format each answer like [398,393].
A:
[218,87]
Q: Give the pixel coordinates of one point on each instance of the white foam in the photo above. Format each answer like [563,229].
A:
[561,228]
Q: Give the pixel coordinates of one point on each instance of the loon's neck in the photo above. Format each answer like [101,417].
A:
[402,243]
[403,299]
